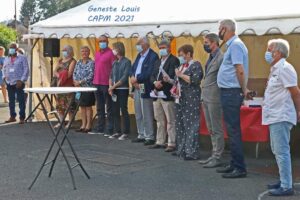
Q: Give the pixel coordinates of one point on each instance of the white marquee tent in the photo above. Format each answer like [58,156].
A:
[186,20]
[129,17]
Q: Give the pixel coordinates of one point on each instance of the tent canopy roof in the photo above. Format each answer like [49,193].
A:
[127,18]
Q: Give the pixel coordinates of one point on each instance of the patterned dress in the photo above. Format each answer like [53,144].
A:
[188,113]
[63,100]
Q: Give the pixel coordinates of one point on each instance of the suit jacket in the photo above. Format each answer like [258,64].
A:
[147,68]
[210,89]
[169,67]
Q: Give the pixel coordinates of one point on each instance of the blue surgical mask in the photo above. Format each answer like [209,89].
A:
[163,52]
[102,45]
[139,48]
[181,60]
[207,48]
[12,51]
[269,57]
[65,54]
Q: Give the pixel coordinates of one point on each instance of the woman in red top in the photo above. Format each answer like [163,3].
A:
[64,73]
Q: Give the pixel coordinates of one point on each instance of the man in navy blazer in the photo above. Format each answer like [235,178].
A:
[140,79]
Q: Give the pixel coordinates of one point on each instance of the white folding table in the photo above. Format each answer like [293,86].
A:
[46,91]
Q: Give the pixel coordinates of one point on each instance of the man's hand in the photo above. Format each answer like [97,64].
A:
[133,80]
[110,90]
[158,85]
[247,94]
[19,84]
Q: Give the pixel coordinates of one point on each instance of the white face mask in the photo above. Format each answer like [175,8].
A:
[115,52]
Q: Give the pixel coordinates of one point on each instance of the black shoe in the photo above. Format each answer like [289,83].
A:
[281,192]
[157,146]
[235,174]
[274,185]
[226,169]
[138,140]
[149,142]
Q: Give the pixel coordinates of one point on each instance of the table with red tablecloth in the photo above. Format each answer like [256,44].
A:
[251,127]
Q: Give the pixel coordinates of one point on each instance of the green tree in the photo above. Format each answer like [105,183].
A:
[7,35]
[38,10]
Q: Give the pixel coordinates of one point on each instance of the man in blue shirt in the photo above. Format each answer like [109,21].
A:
[232,81]
[15,74]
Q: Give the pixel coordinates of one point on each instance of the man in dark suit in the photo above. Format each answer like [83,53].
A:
[164,107]
[140,79]
[211,100]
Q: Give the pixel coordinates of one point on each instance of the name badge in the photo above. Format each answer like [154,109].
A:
[11,70]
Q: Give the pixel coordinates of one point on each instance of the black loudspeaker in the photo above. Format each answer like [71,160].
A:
[51,47]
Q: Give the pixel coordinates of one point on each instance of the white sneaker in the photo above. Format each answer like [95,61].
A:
[123,137]
[107,135]
[114,136]
[95,133]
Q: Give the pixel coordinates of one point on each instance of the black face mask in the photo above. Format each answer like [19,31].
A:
[207,48]
[221,36]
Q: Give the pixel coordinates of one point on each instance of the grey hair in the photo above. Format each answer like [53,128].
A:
[213,38]
[85,47]
[144,39]
[69,49]
[164,42]
[280,45]
[229,23]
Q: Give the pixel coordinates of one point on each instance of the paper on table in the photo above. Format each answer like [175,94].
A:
[158,94]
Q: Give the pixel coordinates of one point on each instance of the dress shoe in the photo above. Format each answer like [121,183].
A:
[274,185]
[86,130]
[281,192]
[226,169]
[22,121]
[149,142]
[235,174]
[10,120]
[79,130]
[138,140]
[170,149]
[156,146]
[212,163]
[205,161]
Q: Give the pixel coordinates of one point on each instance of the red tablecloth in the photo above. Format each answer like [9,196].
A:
[252,130]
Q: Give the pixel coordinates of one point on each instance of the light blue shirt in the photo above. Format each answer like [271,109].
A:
[15,70]
[237,53]
[140,64]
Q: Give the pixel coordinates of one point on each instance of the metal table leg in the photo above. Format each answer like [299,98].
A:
[55,140]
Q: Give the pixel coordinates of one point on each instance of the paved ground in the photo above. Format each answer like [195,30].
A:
[120,170]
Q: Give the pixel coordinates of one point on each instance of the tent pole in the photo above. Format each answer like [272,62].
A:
[31,73]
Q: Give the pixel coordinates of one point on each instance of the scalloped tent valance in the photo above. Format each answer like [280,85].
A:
[128,18]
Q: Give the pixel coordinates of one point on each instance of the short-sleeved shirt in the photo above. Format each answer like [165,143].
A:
[278,105]
[1,75]
[84,72]
[237,53]
[103,66]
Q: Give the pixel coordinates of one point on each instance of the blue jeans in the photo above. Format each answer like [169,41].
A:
[102,99]
[12,92]
[231,101]
[280,139]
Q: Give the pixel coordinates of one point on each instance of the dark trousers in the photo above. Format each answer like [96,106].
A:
[121,104]
[12,93]
[102,99]
[231,100]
